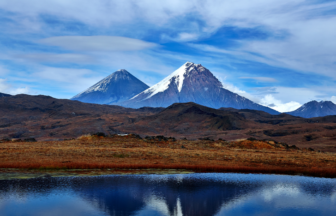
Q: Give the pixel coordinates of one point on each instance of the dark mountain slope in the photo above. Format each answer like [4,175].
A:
[44,117]
[189,118]
[264,117]
[4,95]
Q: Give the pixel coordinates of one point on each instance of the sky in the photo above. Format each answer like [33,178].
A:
[280,54]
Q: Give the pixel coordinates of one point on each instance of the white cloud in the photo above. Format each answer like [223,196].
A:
[235,89]
[260,79]
[181,37]
[3,71]
[268,100]
[333,99]
[300,95]
[24,90]
[9,89]
[304,48]
[308,46]
[4,87]
[238,91]
[98,43]
[240,54]
[75,80]
[187,36]
[278,105]
[56,58]
[103,13]
[286,103]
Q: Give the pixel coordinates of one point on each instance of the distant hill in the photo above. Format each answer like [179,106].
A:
[47,118]
[192,83]
[315,109]
[4,95]
[181,118]
[117,87]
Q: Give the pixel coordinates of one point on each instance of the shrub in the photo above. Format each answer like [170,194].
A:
[30,140]
[85,137]
[310,137]
[99,134]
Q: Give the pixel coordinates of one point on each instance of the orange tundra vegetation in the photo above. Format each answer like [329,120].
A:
[133,152]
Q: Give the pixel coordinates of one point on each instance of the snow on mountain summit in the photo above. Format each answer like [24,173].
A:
[119,86]
[177,76]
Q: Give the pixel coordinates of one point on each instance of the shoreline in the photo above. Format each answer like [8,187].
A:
[79,170]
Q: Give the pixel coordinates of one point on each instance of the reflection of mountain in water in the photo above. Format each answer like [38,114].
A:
[129,196]
[168,195]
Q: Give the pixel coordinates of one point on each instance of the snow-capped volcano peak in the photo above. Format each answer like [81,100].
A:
[192,83]
[176,77]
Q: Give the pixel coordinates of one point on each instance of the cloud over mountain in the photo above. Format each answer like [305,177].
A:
[271,44]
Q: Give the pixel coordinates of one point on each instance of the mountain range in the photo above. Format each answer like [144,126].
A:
[117,87]
[190,83]
[47,118]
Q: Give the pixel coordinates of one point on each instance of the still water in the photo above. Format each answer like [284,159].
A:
[185,194]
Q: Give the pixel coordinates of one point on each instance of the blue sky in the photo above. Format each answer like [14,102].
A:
[281,54]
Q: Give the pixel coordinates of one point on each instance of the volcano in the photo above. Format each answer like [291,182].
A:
[192,83]
[117,87]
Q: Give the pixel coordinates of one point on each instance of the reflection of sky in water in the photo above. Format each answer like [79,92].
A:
[192,194]
[52,205]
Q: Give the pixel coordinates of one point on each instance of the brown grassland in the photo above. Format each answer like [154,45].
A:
[131,152]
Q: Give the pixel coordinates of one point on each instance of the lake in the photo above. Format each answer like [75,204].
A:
[180,194]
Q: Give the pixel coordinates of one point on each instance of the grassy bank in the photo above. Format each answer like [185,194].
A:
[131,152]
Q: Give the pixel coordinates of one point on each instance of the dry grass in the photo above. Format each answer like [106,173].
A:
[89,137]
[85,137]
[132,153]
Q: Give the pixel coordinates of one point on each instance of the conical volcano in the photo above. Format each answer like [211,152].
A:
[117,87]
[192,83]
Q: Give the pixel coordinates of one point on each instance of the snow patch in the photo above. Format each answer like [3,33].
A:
[178,76]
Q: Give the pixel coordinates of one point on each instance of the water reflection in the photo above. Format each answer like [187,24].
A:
[193,194]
